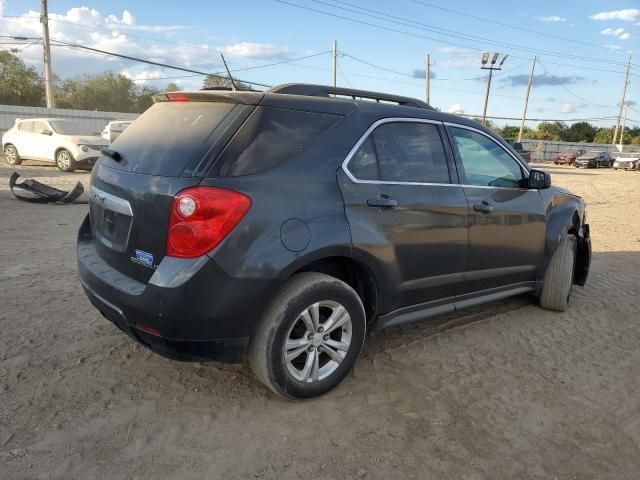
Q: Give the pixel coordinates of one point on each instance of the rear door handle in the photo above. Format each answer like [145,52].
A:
[382,202]
[483,207]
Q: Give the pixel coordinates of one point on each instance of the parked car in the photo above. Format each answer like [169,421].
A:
[112,130]
[594,160]
[68,143]
[282,225]
[627,161]
[568,156]
[518,147]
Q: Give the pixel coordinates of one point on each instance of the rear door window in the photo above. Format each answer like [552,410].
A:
[269,137]
[408,152]
[164,139]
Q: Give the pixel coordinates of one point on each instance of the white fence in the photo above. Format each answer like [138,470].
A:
[93,119]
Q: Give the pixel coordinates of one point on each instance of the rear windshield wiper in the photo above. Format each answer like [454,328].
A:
[112,153]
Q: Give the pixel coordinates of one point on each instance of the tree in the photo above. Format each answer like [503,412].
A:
[604,135]
[216,81]
[550,131]
[106,91]
[172,87]
[580,132]
[20,85]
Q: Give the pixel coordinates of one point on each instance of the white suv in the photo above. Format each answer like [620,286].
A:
[65,142]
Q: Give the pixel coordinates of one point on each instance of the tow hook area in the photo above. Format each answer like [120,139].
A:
[583,257]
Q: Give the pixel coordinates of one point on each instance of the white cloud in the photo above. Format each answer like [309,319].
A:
[613,47]
[459,58]
[627,14]
[568,108]
[616,32]
[456,109]
[117,33]
[552,18]
[255,50]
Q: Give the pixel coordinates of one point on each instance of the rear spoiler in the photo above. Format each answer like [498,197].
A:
[225,96]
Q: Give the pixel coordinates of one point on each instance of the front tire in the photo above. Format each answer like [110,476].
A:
[11,155]
[309,337]
[558,280]
[65,161]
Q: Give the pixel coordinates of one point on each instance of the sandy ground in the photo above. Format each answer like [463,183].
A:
[503,391]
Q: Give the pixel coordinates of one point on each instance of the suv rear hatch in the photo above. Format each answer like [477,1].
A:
[164,151]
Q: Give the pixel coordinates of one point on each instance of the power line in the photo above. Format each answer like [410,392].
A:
[404,32]
[541,119]
[553,78]
[495,22]
[141,60]
[439,30]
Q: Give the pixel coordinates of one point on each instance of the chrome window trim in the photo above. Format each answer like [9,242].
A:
[466,127]
[382,121]
[364,138]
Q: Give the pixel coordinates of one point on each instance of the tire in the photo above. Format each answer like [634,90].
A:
[558,280]
[65,161]
[285,319]
[11,155]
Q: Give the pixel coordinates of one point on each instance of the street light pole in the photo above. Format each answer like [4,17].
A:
[491,67]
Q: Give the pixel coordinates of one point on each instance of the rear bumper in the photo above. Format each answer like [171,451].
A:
[205,316]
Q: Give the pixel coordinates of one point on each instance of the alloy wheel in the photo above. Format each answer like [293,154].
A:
[318,341]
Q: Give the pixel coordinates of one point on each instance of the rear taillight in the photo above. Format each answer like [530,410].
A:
[201,217]
[177,97]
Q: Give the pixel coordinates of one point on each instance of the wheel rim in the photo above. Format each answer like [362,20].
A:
[318,341]
[64,161]
[11,155]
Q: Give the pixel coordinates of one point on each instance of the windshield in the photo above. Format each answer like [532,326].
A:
[70,127]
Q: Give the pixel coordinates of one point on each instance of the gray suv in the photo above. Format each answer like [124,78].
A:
[281,225]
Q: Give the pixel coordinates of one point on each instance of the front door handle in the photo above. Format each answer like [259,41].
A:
[483,207]
[382,202]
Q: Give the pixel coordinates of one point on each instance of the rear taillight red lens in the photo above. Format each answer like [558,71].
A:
[201,217]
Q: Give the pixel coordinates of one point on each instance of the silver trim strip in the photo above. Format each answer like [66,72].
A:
[110,202]
[382,121]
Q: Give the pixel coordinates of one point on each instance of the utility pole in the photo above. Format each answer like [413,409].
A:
[526,100]
[427,70]
[624,121]
[334,56]
[491,68]
[48,74]
[624,93]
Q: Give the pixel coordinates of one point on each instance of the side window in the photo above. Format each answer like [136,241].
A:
[272,136]
[39,125]
[26,126]
[410,152]
[364,164]
[485,162]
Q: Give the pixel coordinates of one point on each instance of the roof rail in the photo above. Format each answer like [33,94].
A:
[311,90]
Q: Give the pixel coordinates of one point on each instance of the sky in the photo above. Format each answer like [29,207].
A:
[582,47]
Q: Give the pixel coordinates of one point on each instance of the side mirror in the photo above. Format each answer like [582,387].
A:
[46,131]
[539,179]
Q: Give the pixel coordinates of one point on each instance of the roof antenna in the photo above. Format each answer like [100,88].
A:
[233,83]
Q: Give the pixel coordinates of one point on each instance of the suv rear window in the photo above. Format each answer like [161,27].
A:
[165,138]
[269,137]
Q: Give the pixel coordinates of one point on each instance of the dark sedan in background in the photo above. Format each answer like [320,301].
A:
[568,157]
[594,160]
